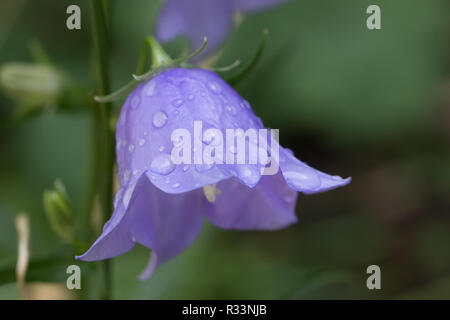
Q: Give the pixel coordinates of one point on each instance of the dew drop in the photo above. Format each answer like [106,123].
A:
[127,195]
[141,142]
[162,164]
[126,176]
[131,147]
[135,101]
[191,97]
[300,179]
[161,149]
[178,141]
[245,172]
[150,88]
[117,197]
[177,103]
[159,119]
[247,175]
[214,87]
[186,168]
[259,122]
[203,167]
[245,104]
[175,185]
[231,109]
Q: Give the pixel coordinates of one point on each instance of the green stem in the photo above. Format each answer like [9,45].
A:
[106,142]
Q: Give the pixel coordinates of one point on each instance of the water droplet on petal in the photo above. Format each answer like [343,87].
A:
[299,179]
[150,88]
[214,137]
[161,149]
[175,185]
[135,101]
[186,168]
[131,147]
[162,164]
[177,103]
[214,87]
[245,172]
[135,172]
[259,122]
[191,97]
[247,175]
[127,195]
[117,197]
[203,167]
[141,142]
[245,104]
[159,119]
[231,109]
[126,175]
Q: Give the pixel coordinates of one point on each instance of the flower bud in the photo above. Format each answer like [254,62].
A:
[31,84]
[57,209]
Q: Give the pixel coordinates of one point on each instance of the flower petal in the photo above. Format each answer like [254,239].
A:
[301,177]
[115,239]
[195,19]
[254,5]
[165,223]
[268,206]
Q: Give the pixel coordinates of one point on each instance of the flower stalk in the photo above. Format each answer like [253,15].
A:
[105,141]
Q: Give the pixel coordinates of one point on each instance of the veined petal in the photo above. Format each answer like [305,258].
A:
[115,238]
[195,19]
[164,223]
[269,205]
[301,177]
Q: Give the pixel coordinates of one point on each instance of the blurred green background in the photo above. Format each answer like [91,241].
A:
[374,105]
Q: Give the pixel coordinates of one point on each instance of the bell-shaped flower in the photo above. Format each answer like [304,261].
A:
[196,19]
[167,127]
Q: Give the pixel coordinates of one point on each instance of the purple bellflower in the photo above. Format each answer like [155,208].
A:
[162,205]
[198,18]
